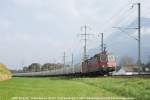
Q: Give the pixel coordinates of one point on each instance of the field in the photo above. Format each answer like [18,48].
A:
[77,88]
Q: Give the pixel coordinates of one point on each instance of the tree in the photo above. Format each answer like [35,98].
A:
[34,67]
[47,66]
[25,69]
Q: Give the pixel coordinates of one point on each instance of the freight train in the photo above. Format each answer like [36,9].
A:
[100,64]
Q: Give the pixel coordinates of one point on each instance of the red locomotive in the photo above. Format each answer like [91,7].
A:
[101,63]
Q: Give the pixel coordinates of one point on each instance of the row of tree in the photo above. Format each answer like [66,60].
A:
[36,67]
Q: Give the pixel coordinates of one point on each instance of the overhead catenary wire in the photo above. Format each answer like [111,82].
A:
[126,33]
[124,11]
[108,23]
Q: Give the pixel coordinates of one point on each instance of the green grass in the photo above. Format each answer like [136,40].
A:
[77,87]
[138,88]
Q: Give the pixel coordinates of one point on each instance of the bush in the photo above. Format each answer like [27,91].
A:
[5,74]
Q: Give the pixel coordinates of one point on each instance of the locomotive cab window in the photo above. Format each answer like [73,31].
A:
[98,57]
[103,57]
[111,58]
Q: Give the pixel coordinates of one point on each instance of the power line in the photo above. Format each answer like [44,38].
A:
[123,31]
[64,59]
[113,17]
[84,28]
[102,41]
[139,35]
[72,63]
[64,62]
[72,60]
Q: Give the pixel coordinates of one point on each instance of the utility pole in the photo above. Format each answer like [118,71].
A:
[72,63]
[103,46]
[64,61]
[64,58]
[139,36]
[72,60]
[54,65]
[102,43]
[148,59]
[22,63]
[85,42]
[84,28]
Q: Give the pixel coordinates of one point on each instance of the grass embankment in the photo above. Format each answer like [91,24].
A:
[77,87]
[139,88]
[5,74]
[39,87]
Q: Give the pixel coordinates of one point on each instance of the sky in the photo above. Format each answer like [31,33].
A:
[40,31]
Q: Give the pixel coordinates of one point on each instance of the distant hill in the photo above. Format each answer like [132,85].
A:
[5,74]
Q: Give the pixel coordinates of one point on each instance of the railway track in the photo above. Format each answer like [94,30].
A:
[83,75]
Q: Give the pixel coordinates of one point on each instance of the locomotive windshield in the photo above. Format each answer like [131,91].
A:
[111,58]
